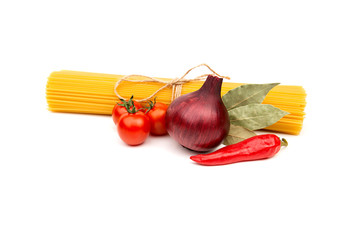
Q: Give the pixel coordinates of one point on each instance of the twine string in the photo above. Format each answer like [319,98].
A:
[175,83]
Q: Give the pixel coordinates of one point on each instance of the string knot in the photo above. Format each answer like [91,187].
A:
[175,83]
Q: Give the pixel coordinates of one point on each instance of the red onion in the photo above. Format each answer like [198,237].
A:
[199,120]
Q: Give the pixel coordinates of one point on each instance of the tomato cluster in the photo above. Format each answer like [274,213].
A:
[134,123]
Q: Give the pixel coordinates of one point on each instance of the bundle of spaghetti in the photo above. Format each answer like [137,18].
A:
[93,93]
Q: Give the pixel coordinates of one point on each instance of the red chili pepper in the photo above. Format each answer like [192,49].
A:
[254,148]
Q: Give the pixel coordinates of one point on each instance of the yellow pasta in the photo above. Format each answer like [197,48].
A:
[93,93]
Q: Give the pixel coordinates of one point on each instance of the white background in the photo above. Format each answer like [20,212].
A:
[69,176]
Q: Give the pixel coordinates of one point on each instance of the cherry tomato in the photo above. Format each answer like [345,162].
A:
[118,110]
[133,128]
[157,118]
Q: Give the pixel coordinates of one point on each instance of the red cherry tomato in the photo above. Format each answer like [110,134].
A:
[157,118]
[133,128]
[119,110]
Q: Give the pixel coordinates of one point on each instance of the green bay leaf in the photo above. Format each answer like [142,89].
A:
[246,94]
[237,134]
[255,116]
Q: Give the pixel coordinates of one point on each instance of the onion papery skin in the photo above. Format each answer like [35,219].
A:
[199,120]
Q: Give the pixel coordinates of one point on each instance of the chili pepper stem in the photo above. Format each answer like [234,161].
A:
[284,142]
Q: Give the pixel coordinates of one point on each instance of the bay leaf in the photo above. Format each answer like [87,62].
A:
[237,134]
[255,116]
[246,94]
